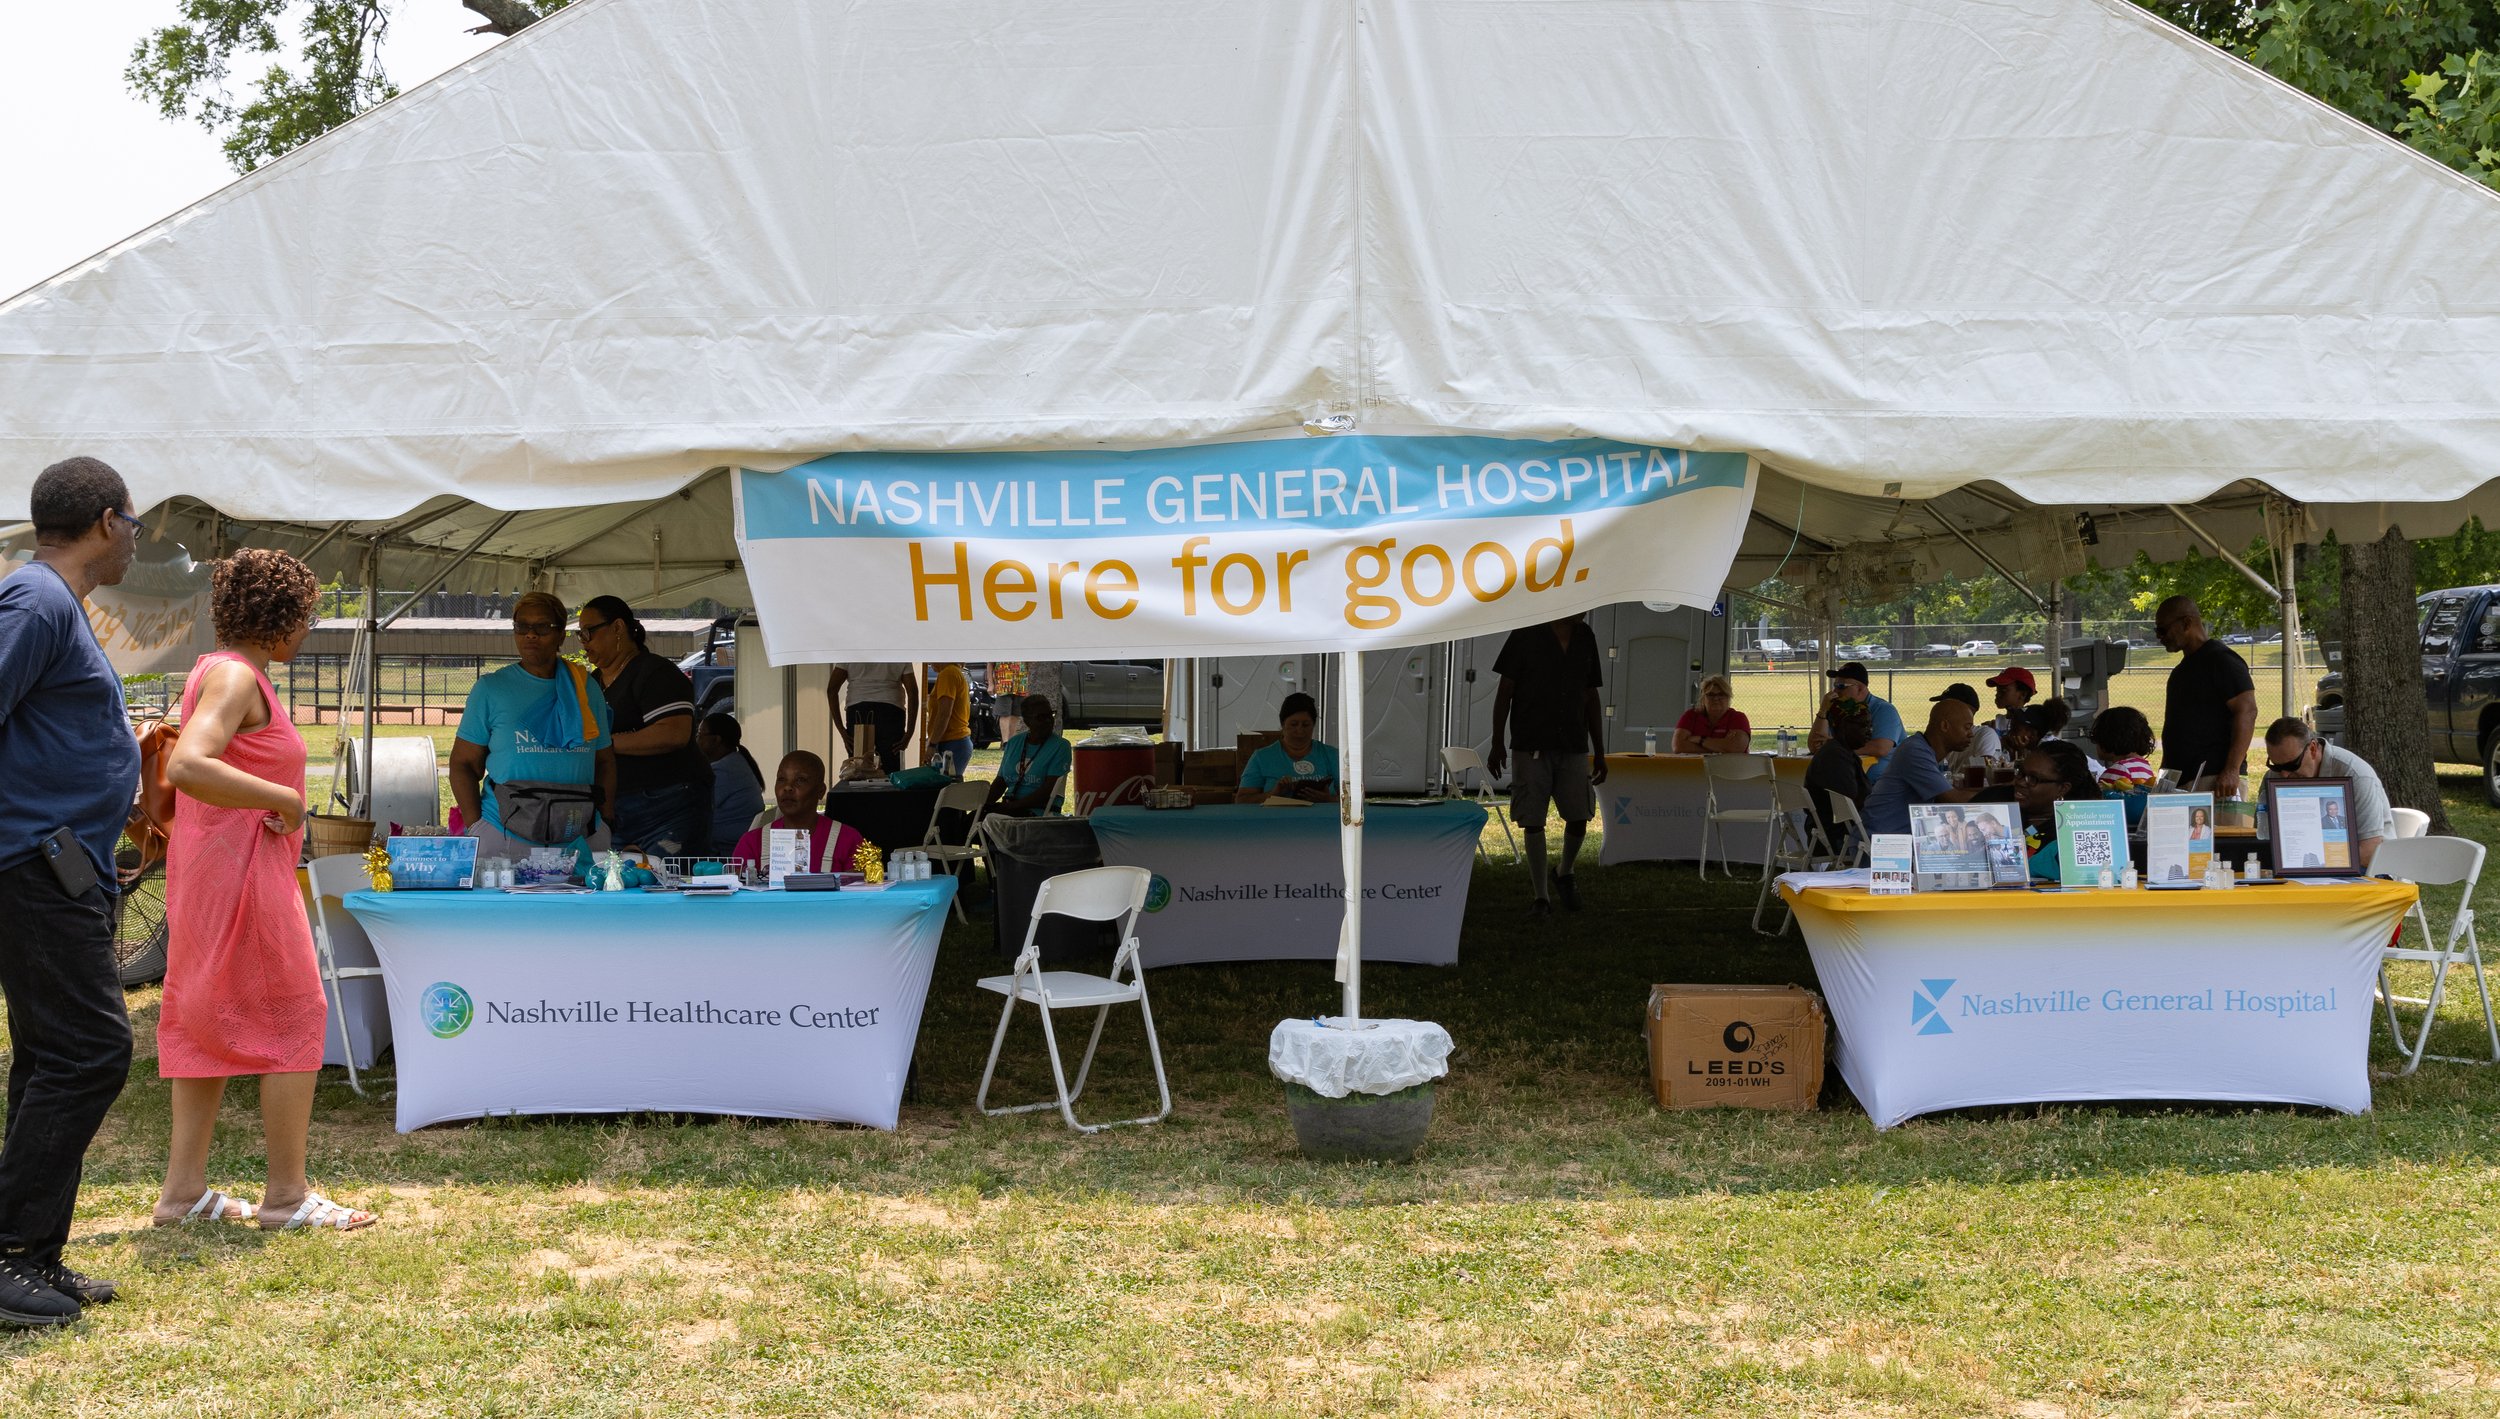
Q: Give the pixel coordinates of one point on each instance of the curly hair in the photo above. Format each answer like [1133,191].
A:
[260,596]
[2121,730]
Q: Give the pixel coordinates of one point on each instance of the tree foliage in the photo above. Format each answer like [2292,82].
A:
[330,74]
[2422,71]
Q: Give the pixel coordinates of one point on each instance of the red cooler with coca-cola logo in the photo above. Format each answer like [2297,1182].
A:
[1111,772]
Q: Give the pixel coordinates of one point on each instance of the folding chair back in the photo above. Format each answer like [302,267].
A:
[1457,762]
[1849,824]
[1735,768]
[2411,822]
[1723,770]
[337,933]
[2434,862]
[967,797]
[1095,894]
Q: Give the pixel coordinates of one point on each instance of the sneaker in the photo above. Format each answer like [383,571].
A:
[1540,908]
[86,1290]
[26,1299]
[1567,887]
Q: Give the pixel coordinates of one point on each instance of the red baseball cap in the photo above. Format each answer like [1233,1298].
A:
[2017,675]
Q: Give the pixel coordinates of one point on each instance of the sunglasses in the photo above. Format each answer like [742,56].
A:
[2292,764]
[537,628]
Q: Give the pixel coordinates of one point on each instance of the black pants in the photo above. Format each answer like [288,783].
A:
[70,1037]
[891,732]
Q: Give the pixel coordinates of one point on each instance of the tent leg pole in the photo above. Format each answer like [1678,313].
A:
[362,804]
[2057,641]
[2286,574]
[1350,830]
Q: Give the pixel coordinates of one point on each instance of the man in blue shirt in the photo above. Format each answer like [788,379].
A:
[1032,763]
[70,767]
[1918,774]
[1849,682]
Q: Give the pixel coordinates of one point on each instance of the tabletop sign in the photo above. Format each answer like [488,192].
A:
[2178,838]
[1893,857]
[2091,839]
[785,852]
[2312,823]
[1955,843]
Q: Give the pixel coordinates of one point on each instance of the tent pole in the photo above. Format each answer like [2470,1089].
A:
[2223,552]
[362,802]
[2286,576]
[1350,829]
[435,583]
[2057,640]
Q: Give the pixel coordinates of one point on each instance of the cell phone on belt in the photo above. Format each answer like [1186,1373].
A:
[69,861]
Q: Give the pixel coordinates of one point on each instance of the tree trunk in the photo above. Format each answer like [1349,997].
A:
[2385,720]
[507,17]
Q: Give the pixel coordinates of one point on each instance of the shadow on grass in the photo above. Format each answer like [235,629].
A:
[1547,1098]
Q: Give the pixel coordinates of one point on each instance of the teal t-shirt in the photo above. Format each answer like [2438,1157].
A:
[1021,774]
[511,712]
[1272,763]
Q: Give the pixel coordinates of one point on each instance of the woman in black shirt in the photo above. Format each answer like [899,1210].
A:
[663,784]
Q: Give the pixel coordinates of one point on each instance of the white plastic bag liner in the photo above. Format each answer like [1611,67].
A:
[1374,1057]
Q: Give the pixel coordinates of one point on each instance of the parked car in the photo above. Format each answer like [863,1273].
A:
[1975,650]
[1770,646]
[1869,651]
[2239,638]
[1099,692]
[2032,648]
[2460,631]
[1938,648]
[714,669]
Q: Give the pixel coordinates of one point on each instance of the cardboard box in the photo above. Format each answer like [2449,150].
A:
[1167,763]
[1742,1046]
[1248,744]
[1215,768]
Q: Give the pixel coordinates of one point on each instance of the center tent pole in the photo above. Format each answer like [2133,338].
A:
[1350,831]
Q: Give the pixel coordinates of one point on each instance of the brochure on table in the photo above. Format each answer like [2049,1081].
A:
[432,864]
[1957,844]
[2091,840]
[1892,858]
[2312,825]
[2178,839]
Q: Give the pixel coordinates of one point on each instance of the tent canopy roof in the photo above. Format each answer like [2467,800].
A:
[646,240]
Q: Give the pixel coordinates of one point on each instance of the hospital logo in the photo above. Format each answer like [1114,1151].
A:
[1927,1007]
[1623,811]
[445,1008]
[1158,893]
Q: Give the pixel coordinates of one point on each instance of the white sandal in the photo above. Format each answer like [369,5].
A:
[212,1208]
[318,1213]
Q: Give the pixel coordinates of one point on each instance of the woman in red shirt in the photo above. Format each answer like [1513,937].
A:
[1716,726]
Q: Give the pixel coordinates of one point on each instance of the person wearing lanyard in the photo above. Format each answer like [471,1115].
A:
[1297,765]
[1032,763]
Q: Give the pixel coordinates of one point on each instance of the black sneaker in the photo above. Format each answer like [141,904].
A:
[1567,887]
[86,1290]
[1540,908]
[26,1299]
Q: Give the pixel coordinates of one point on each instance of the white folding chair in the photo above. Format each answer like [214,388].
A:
[1721,771]
[1792,842]
[2411,822]
[966,798]
[1850,825]
[2434,862]
[332,878]
[1095,894]
[1457,762]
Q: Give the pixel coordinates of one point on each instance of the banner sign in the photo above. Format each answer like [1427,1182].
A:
[1280,545]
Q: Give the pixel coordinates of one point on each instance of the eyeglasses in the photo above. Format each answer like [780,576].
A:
[2027,776]
[537,628]
[592,628]
[2292,764]
[135,524]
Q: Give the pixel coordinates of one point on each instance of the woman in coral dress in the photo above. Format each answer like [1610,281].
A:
[242,982]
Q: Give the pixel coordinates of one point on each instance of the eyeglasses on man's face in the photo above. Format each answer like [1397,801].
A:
[136,526]
[2296,763]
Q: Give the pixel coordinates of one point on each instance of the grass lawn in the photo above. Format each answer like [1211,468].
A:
[1561,1248]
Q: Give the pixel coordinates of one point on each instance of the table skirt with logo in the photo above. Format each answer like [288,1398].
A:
[1948,1000]
[776,1004]
[1653,807]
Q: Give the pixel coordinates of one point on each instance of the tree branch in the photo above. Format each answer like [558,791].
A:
[505,17]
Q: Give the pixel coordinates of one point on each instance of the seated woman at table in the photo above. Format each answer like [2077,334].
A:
[1715,726]
[1835,771]
[532,757]
[1297,765]
[1032,764]
[737,780]
[798,786]
[2055,772]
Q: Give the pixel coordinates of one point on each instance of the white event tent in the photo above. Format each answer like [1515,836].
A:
[517,325]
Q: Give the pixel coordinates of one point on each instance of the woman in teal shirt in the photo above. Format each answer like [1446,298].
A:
[1296,765]
[1032,763]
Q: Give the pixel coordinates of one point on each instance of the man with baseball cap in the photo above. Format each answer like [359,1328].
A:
[1849,682]
[1984,743]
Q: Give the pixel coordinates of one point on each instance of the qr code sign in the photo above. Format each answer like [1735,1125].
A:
[2093,848]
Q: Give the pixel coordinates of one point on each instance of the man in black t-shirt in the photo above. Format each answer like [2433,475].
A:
[1549,700]
[2211,710]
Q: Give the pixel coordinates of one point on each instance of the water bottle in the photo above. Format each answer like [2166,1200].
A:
[1788,741]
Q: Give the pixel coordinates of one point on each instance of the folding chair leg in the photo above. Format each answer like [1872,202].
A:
[1059,1076]
[1154,1052]
[338,1012]
[1006,1013]
[1502,816]
[1086,1065]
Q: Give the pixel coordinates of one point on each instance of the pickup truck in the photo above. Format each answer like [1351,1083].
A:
[2460,634]
[1093,693]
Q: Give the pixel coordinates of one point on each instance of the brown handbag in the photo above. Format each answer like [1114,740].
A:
[152,816]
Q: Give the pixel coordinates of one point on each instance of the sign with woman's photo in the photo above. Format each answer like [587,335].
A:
[1957,842]
[2312,826]
[2178,839]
